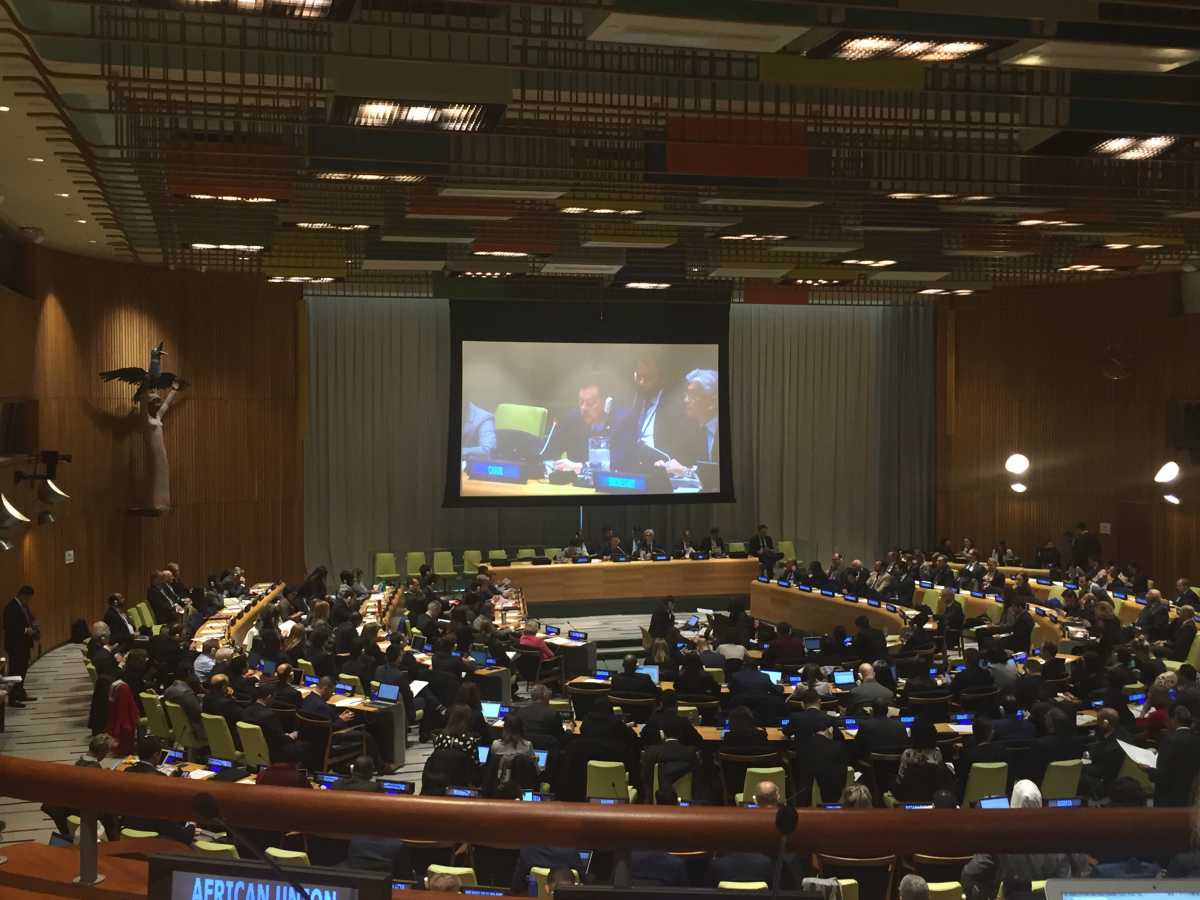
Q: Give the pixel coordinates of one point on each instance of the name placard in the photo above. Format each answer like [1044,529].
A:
[188,878]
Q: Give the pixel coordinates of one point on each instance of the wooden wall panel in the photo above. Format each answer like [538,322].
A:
[232,438]
[1022,370]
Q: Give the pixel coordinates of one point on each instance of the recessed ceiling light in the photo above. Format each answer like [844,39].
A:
[648,285]
[62,195]
[5,108]
[1118,246]
[873,263]
[508,254]
[81,221]
[331,226]
[1134,148]
[1017,464]
[1018,488]
[1105,57]
[877,46]
[933,291]
[501,192]
[92,241]
[35,159]
[1172,499]
[1167,473]
[231,198]
[1149,246]
[370,176]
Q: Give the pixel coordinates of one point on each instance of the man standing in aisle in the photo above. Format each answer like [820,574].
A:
[762,546]
[20,634]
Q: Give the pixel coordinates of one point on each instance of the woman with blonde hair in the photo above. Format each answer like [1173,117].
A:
[856,796]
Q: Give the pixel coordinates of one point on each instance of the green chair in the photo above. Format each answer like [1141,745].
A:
[212,848]
[472,559]
[743,886]
[1193,656]
[1130,769]
[755,775]
[1061,779]
[288,857]
[91,670]
[787,550]
[516,417]
[737,547]
[385,567]
[608,780]
[254,745]
[134,834]
[147,614]
[135,617]
[682,786]
[156,717]
[552,552]
[526,553]
[497,554]
[306,667]
[717,674]
[986,779]
[946,890]
[355,682]
[443,565]
[220,740]
[185,735]
[465,874]
[413,560]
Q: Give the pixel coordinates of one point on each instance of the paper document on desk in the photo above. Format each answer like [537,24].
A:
[962,729]
[563,642]
[705,612]
[1140,755]
[1083,720]
[201,774]
[418,686]
[591,681]
[1135,709]
[512,654]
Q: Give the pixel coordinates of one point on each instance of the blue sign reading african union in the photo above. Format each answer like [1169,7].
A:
[195,886]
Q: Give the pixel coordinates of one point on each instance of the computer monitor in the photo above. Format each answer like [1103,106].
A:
[542,756]
[850,724]
[172,758]
[493,709]
[692,622]
[326,779]
[774,675]
[482,752]
[551,630]
[388,693]
[998,802]
[843,678]
[1123,889]
[577,635]
[343,688]
[217,764]
[266,666]
[535,796]
[393,787]
[311,680]
[652,671]
[812,645]
[603,675]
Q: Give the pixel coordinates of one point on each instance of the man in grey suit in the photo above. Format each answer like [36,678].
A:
[868,691]
[478,431]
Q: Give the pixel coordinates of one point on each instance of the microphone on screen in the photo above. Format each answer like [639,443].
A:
[549,437]
[206,809]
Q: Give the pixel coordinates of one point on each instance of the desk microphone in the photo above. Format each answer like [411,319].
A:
[205,807]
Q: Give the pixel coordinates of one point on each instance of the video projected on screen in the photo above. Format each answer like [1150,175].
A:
[567,419]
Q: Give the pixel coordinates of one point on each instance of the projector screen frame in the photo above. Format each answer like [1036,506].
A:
[534,321]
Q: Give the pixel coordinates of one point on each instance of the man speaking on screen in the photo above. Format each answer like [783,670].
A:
[578,437]
[701,405]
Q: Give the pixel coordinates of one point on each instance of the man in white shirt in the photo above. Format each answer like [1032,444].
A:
[204,663]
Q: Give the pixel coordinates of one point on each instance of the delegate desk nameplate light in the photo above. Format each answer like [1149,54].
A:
[819,612]
[600,580]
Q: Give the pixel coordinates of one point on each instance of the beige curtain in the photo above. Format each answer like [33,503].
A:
[832,425]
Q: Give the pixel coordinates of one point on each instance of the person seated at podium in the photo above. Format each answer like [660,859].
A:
[531,640]
[686,545]
[701,403]
[613,548]
[714,544]
[762,547]
[647,546]
[630,682]
[478,431]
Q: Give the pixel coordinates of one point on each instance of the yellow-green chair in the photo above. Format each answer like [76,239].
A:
[849,887]
[682,787]
[787,550]
[1193,656]
[816,799]
[717,674]
[148,617]
[91,670]
[742,885]
[156,717]
[288,857]
[135,617]
[986,779]
[306,667]
[1130,769]
[606,779]
[471,561]
[443,565]
[945,890]
[254,745]
[517,417]
[220,740]
[385,567]
[552,552]
[737,546]
[465,874]
[526,553]
[755,775]
[213,848]
[134,833]
[413,560]
[541,876]
[497,554]
[355,682]
[1061,779]
[181,725]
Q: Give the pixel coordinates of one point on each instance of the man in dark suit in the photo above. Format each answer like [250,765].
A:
[162,601]
[1155,620]
[1184,595]
[666,719]
[940,573]
[149,749]
[869,644]
[345,636]
[854,578]
[762,547]
[673,754]
[1180,644]
[1178,760]
[701,405]
[1060,743]
[981,749]
[714,544]
[361,778]
[543,726]
[181,691]
[879,734]
[283,691]
[20,634]
[647,545]
[218,701]
[1106,753]
[347,729]
[745,681]
[120,626]
[100,655]
[594,417]
[1085,546]
[630,682]
[260,713]
[662,620]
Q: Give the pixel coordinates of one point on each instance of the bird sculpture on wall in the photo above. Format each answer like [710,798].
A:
[152,405]
[154,379]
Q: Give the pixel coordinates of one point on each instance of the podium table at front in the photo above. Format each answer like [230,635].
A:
[601,580]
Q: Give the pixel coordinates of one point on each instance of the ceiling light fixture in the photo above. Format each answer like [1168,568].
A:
[81,221]
[301,279]
[1134,148]
[933,291]
[35,159]
[818,282]
[370,176]
[876,46]
[331,226]
[447,117]
[1017,464]
[1149,246]
[1167,472]
[5,108]
[753,237]
[62,195]
[1018,487]
[1172,499]
[240,248]
[648,285]
[1118,246]
[507,254]
[599,211]
[231,198]
[1080,267]
[10,515]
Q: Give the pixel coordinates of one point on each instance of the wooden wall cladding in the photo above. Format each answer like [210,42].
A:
[233,438]
[1025,370]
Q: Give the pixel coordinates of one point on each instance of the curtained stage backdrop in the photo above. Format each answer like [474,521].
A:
[831,421]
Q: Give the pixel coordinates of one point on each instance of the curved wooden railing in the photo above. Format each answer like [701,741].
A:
[513,824]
